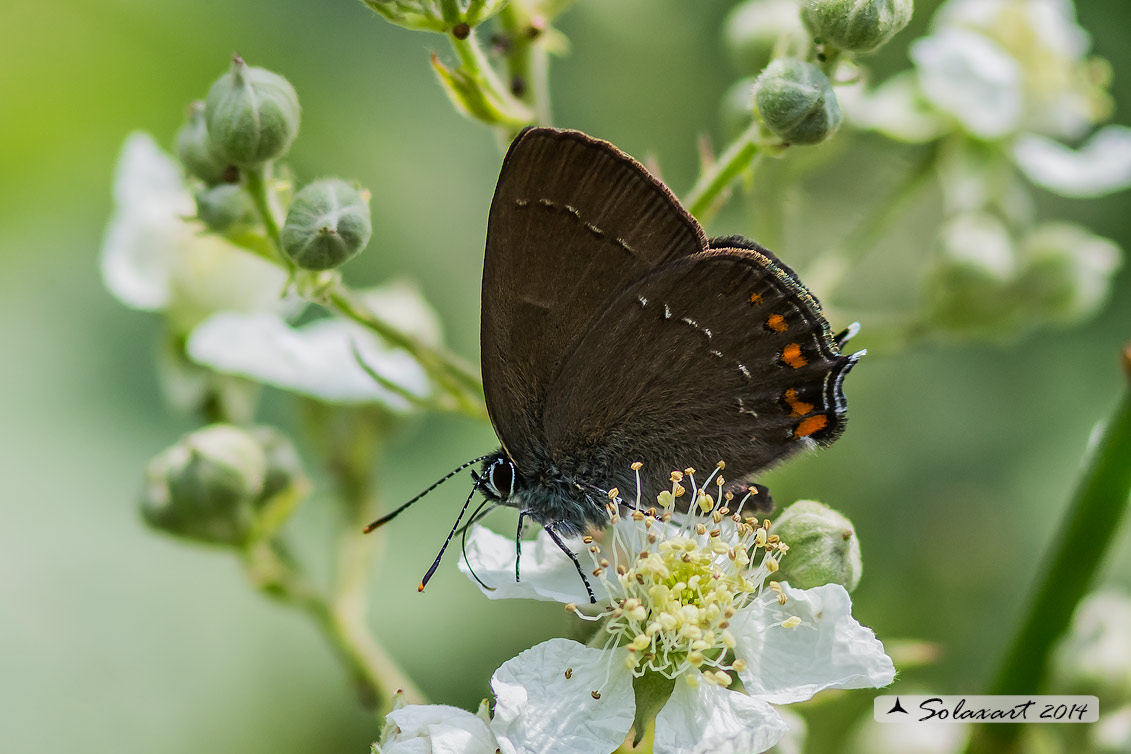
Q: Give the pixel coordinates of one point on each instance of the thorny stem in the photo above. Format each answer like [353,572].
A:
[1098,505]
[508,111]
[701,201]
[527,59]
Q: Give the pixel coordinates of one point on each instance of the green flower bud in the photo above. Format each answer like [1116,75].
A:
[224,207]
[252,115]
[753,29]
[195,150]
[1066,271]
[327,225]
[284,468]
[796,102]
[823,548]
[203,487]
[856,25]
[970,288]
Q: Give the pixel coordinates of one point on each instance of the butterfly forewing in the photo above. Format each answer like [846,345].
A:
[718,356]
[573,220]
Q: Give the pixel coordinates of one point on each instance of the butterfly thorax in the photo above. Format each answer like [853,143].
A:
[551,496]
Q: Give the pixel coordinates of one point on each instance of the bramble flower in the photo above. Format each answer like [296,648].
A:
[685,616]
[331,360]
[1013,72]
[155,257]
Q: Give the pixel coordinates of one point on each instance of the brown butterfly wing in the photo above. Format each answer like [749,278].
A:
[722,355]
[573,220]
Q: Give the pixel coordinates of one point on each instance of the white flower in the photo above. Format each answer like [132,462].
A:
[155,258]
[686,602]
[434,729]
[971,78]
[318,359]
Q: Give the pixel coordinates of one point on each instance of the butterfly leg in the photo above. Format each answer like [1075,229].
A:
[573,557]
[518,543]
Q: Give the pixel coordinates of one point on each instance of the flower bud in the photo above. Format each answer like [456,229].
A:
[204,486]
[224,207]
[1066,271]
[856,25]
[969,289]
[796,102]
[823,548]
[195,150]
[327,225]
[284,468]
[252,115]
[753,29]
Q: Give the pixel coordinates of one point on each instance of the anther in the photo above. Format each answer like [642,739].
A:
[613,493]
[595,694]
[568,673]
[637,466]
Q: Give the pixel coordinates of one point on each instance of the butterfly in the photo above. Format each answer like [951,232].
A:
[614,331]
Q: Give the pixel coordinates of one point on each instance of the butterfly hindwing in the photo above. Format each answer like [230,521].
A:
[573,220]
[722,355]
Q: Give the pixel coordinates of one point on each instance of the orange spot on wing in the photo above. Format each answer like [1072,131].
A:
[791,356]
[777,323]
[796,405]
[811,425]
[755,298]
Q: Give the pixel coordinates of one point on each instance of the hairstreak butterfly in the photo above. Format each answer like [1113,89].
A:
[614,331]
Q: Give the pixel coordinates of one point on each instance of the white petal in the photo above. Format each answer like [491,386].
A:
[316,360]
[970,77]
[1101,166]
[713,720]
[436,729]
[1052,21]
[829,649]
[538,710]
[400,303]
[141,238]
[546,573]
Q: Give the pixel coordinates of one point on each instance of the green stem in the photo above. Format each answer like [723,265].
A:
[257,182]
[451,373]
[527,60]
[506,109]
[1098,505]
[701,201]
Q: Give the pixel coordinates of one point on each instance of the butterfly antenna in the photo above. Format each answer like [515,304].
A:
[452,533]
[475,516]
[396,512]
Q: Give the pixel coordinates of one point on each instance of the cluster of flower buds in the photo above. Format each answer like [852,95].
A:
[799,49]
[249,119]
[215,482]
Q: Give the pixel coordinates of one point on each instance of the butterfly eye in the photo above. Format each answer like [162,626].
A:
[502,478]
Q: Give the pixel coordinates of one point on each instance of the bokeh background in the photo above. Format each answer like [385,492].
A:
[957,463]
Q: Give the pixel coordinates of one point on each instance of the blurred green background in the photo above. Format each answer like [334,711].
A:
[955,469]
